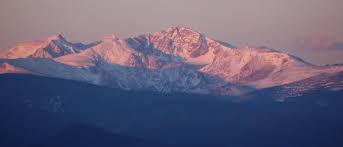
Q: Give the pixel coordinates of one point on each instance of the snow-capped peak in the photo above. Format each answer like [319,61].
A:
[56,37]
[110,37]
[52,47]
[178,29]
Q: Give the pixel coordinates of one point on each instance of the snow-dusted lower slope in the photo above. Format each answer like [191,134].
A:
[331,82]
[178,59]
[9,68]
[322,83]
[50,68]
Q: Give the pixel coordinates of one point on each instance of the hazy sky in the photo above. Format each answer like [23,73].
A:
[311,29]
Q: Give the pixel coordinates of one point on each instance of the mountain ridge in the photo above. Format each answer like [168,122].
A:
[177,59]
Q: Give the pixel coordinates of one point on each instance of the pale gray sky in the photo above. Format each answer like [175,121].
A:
[311,29]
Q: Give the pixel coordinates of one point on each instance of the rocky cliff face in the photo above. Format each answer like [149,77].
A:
[177,59]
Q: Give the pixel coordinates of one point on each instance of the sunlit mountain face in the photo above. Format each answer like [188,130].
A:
[176,87]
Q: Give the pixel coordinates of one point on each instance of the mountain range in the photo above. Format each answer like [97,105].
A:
[177,59]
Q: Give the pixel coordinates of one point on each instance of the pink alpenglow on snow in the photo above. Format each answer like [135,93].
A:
[176,59]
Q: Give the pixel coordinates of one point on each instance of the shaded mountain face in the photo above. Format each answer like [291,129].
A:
[177,59]
[42,111]
[83,135]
